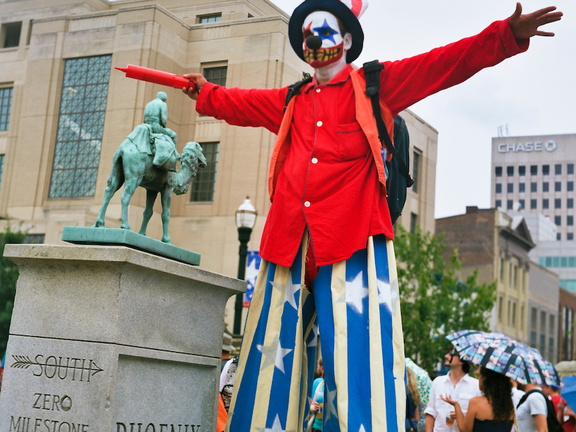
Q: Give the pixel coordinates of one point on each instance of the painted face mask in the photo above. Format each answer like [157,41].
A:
[326,43]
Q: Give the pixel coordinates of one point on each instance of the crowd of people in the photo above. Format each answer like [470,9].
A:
[493,402]
[468,398]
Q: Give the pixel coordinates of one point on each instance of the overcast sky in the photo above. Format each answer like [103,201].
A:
[533,93]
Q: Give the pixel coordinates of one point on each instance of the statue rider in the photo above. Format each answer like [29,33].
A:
[156,117]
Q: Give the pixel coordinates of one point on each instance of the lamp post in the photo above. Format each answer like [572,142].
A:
[245,221]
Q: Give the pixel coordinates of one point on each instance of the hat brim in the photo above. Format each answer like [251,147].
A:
[338,9]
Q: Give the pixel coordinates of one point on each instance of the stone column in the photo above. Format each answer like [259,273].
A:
[111,339]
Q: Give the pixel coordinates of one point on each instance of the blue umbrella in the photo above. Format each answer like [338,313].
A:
[569,390]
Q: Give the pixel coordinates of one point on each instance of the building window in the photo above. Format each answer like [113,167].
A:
[570,168]
[545,203]
[558,186]
[522,187]
[5,107]
[416,158]
[533,326]
[510,187]
[570,203]
[34,239]
[521,204]
[413,222]
[570,186]
[498,203]
[558,261]
[558,236]
[204,183]
[510,171]
[533,187]
[558,169]
[216,75]
[545,169]
[522,170]
[80,127]
[203,19]
[533,204]
[498,188]
[509,205]
[542,331]
[498,171]
[570,220]
[558,220]
[10,34]
[1,166]
[557,203]
[533,169]
[569,236]
[567,332]
[545,187]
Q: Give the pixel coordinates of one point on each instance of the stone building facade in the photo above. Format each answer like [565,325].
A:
[498,245]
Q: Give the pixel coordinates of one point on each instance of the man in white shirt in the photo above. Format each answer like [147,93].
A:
[531,414]
[459,386]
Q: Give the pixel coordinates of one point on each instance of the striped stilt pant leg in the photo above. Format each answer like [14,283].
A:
[278,355]
[356,306]
[358,309]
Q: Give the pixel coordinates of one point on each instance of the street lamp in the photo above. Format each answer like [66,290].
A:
[245,221]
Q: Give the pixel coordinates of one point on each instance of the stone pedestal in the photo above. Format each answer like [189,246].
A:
[111,339]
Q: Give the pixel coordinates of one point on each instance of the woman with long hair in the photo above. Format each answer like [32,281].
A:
[491,412]
[412,401]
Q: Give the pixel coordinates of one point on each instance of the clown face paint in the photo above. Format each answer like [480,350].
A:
[324,25]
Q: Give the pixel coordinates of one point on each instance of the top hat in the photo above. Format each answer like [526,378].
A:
[348,15]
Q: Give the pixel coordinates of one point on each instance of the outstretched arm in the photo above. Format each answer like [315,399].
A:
[527,25]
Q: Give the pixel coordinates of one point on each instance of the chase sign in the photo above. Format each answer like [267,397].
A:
[535,146]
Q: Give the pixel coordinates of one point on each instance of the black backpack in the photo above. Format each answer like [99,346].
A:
[399,179]
[551,419]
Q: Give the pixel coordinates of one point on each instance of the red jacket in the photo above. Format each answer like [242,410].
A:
[328,181]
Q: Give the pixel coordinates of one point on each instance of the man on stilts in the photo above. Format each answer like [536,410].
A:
[328,260]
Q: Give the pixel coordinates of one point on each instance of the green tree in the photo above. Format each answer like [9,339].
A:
[434,301]
[8,277]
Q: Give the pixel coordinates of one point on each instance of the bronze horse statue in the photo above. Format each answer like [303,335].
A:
[132,168]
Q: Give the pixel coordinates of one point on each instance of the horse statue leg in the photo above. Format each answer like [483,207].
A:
[148,211]
[115,181]
[166,197]
[130,185]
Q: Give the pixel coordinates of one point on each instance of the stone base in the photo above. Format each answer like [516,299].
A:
[109,339]
[122,237]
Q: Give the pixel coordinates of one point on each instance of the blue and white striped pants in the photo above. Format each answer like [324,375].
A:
[355,308]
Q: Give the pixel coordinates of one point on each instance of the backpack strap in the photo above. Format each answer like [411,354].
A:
[372,74]
[294,89]
[528,393]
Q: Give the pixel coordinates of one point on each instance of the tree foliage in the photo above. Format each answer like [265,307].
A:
[434,301]
[8,277]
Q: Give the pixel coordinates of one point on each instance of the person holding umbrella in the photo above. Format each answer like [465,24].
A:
[491,412]
[461,387]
